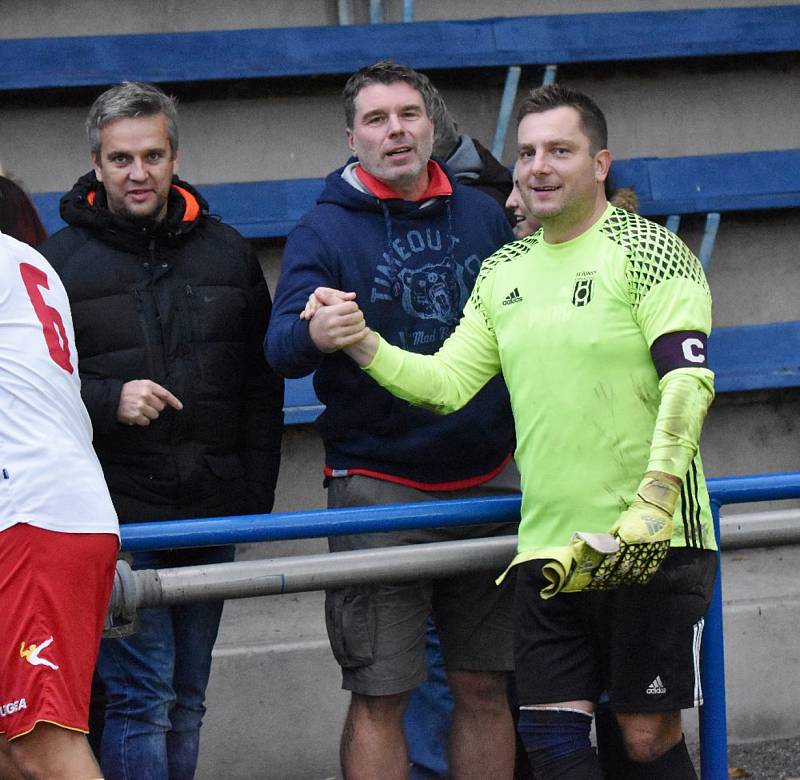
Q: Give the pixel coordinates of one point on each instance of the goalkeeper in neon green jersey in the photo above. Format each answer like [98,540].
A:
[599,324]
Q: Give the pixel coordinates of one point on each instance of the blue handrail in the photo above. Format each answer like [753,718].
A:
[315,523]
[392,517]
[332,522]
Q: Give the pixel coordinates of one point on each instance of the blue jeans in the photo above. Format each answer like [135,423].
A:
[156,680]
[428,716]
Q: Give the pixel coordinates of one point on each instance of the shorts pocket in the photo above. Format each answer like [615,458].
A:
[350,619]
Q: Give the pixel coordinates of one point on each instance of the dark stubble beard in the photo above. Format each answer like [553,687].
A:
[153,217]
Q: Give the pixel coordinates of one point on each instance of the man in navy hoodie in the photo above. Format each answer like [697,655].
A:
[396,228]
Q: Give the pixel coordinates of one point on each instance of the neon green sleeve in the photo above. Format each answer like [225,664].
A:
[669,292]
[686,394]
[446,381]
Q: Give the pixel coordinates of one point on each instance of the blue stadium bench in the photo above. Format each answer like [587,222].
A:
[39,63]
[756,357]
[301,404]
[668,185]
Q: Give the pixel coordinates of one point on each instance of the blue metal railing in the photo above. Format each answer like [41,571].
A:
[333,522]
[713,720]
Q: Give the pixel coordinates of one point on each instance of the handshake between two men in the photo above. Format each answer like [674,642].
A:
[629,553]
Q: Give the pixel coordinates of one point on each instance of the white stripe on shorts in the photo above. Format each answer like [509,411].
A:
[697,638]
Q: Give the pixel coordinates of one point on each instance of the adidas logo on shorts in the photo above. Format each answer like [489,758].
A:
[512,297]
[656,688]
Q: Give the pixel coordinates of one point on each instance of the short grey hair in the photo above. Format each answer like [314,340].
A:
[129,100]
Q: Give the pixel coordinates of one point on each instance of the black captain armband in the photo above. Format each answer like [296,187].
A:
[682,349]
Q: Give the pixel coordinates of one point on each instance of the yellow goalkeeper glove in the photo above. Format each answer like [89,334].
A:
[574,568]
[644,532]
[630,553]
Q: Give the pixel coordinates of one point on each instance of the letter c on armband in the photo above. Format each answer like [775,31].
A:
[682,349]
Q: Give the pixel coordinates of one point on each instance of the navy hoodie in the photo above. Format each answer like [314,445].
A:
[412,266]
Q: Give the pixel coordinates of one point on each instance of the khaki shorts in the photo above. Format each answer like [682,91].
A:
[377,631]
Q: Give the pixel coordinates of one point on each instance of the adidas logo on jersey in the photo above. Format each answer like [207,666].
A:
[512,297]
[656,688]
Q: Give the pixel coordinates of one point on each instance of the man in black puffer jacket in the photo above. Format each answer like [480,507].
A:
[170,309]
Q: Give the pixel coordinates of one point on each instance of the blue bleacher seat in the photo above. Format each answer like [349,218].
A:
[755,357]
[300,51]
[684,185]
[301,404]
[714,182]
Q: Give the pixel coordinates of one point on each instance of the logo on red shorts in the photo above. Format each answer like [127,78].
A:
[12,707]
[33,652]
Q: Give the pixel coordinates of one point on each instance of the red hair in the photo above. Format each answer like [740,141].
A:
[18,215]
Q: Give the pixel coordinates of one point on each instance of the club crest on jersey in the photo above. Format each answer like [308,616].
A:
[582,291]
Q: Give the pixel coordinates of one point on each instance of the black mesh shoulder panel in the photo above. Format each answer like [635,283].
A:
[654,254]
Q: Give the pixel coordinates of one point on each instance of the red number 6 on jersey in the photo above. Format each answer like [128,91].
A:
[55,334]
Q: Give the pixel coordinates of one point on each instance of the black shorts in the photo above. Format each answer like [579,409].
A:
[640,643]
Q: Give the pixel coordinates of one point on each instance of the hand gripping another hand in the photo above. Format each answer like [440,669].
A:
[632,550]
[335,320]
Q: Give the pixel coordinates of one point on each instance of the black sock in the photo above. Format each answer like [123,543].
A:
[611,752]
[578,766]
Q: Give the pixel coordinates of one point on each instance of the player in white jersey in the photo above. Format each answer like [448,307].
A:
[58,528]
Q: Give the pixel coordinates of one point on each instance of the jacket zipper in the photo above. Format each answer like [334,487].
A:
[148,346]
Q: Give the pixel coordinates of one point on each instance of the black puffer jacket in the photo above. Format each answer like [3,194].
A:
[183,303]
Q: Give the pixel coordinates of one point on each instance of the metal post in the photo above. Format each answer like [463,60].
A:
[709,237]
[295,574]
[506,106]
[674,223]
[713,717]
[408,10]
[345,11]
[375,11]
[549,77]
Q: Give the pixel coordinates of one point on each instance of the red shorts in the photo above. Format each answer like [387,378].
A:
[54,591]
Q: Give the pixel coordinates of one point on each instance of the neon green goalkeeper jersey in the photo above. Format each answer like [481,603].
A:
[570,326]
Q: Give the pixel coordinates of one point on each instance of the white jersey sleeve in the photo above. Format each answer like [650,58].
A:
[49,474]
